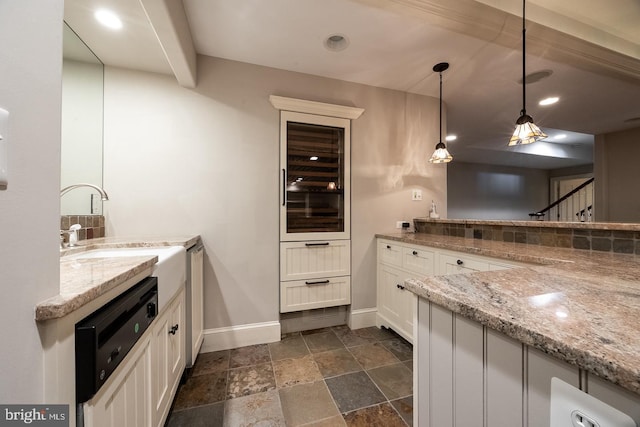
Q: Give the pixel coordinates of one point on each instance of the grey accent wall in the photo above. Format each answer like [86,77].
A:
[479,191]
[616,175]
[30,89]
[206,161]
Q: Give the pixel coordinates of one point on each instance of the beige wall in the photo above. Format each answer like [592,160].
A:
[30,89]
[206,161]
[479,191]
[616,173]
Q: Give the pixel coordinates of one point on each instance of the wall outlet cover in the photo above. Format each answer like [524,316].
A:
[416,194]
[571,407]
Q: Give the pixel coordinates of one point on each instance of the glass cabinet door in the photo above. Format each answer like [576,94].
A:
[315,176]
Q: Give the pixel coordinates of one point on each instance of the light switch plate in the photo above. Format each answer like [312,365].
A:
[4,136]
[571,407]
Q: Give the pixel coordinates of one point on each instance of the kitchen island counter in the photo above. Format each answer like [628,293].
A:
[578,306]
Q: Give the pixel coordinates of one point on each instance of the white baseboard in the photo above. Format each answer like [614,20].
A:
[362,318]
[240,336]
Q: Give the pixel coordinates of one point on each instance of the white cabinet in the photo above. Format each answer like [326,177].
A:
[168,360]
[314,274]
[315,204]
[125,399]
[195,301]
[398,261]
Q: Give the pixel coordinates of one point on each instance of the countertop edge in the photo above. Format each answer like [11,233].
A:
[580,358]
[61,305]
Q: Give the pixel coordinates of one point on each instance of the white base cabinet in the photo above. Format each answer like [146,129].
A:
[168,359]
[141,393]
[469,375]
[196,302]
[314,274]
[399,261]
[124,400]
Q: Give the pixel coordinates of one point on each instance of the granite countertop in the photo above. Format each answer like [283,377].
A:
[579,306]
[84,280]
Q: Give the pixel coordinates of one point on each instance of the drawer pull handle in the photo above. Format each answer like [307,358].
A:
[400,286]
[317,244]
[319,282]
[415,252]
[173,329]
[459,262]
[388,246]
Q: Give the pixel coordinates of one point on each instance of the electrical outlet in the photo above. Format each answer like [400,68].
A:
[416,194]
[399,224]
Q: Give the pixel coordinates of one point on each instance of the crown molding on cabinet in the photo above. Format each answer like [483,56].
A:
[313,107]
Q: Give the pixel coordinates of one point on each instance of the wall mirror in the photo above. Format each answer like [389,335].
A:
[82,125]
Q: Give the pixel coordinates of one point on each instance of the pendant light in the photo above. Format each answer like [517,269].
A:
[526,131]
[440,155]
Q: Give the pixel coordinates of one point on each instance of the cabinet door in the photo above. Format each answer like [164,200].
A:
[124,400]
[315,159]
[168,357]
[197,303]
[390,296]
[176,334]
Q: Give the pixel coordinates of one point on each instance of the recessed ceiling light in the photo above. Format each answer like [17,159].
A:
[108,19]
[451,138]
[336,42]
[560,136]
[549,101]
[313,158]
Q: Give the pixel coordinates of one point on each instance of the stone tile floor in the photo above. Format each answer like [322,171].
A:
[325,377]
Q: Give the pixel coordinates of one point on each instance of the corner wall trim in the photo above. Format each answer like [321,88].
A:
[362,318]
[240,336]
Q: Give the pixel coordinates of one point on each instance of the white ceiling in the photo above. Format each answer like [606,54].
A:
[395,43]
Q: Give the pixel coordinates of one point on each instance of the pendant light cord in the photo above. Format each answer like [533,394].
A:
[440,134]
[524,83]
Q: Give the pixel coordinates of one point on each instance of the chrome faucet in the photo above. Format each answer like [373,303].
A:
[103,193]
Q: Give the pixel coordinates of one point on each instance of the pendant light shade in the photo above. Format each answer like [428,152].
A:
[440,155]
[526,131]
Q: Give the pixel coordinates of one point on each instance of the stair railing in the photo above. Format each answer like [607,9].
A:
[575,206]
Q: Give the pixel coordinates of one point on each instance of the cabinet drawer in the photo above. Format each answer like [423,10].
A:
[418,260]
[308,260]
[454,264]
[389,253]
[299,295]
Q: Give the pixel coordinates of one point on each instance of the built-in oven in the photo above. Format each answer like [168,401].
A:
[104,338]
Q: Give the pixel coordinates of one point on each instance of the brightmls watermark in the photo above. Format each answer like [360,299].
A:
[34,415]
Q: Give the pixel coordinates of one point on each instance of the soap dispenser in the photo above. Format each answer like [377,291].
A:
[433,214]
[73,234]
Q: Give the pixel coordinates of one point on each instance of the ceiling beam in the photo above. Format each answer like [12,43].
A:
[482,21]
[169,22]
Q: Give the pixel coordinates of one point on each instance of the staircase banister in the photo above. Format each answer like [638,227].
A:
[563,198]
